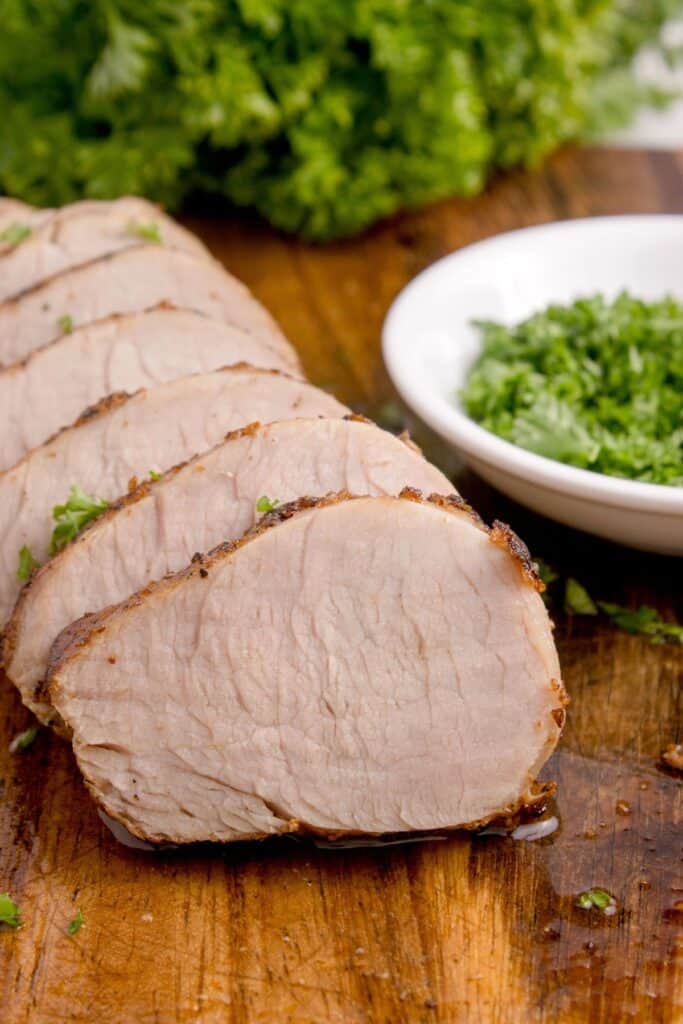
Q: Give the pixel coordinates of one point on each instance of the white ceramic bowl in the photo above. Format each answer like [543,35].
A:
[429,345]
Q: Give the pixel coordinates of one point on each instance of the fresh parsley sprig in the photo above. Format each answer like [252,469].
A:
[78,510]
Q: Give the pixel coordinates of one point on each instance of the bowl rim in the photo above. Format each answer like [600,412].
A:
[447,419]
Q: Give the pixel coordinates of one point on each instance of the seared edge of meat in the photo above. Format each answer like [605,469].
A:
[87,630]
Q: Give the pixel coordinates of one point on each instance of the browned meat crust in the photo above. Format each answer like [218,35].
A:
[203,563]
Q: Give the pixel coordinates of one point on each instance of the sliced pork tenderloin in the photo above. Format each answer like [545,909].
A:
[156,529]
[128,281]
[126,437]
[359,666]
[55,383]
[82,232]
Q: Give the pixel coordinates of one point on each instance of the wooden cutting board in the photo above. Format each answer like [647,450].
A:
[461,930]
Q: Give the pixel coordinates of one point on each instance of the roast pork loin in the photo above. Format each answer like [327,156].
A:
[55,383]
[127,437]
[214,497]
[128,281]
[82,232]
[360,666]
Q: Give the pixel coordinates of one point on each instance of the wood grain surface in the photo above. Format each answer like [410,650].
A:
[479,930]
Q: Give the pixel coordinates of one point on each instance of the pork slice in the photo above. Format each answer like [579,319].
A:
[82,232]
[366,666]
[50,387]
[126,437]
[128,281]
[210,499]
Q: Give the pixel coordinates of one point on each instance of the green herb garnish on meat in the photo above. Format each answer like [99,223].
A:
[153,475]
[149,232]
[9,911]
[27,563]
[15,233]
[65,324]
[71,517]
[266,504]
[596,384]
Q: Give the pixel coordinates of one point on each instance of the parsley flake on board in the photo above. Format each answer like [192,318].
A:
[23,740]
[266,504]
[27,563]
[596,899]
[15,233]
[71,517]
[577,600]
[76,924]
[595,384]
[149,232]
[644,621]
[65,324]
[9,911]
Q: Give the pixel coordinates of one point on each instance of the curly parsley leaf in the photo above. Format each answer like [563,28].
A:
[266,504]
[322,116]
[71,517]
[27,563]
[23,740]
[15,233]
[595,384]
[9,911]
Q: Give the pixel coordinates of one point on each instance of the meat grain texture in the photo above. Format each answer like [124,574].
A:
[212,498]
[120,353]
[83,232]
[128,281]
[124,438]
[360,666]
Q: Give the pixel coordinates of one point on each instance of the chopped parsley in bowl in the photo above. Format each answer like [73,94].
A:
[594,384]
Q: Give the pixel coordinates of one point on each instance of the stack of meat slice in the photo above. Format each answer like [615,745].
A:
[264,626]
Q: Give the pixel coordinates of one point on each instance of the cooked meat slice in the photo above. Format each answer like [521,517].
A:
[82,232]
[126,437]
[128,282]
[156,529]
[122,353]
[369,665]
